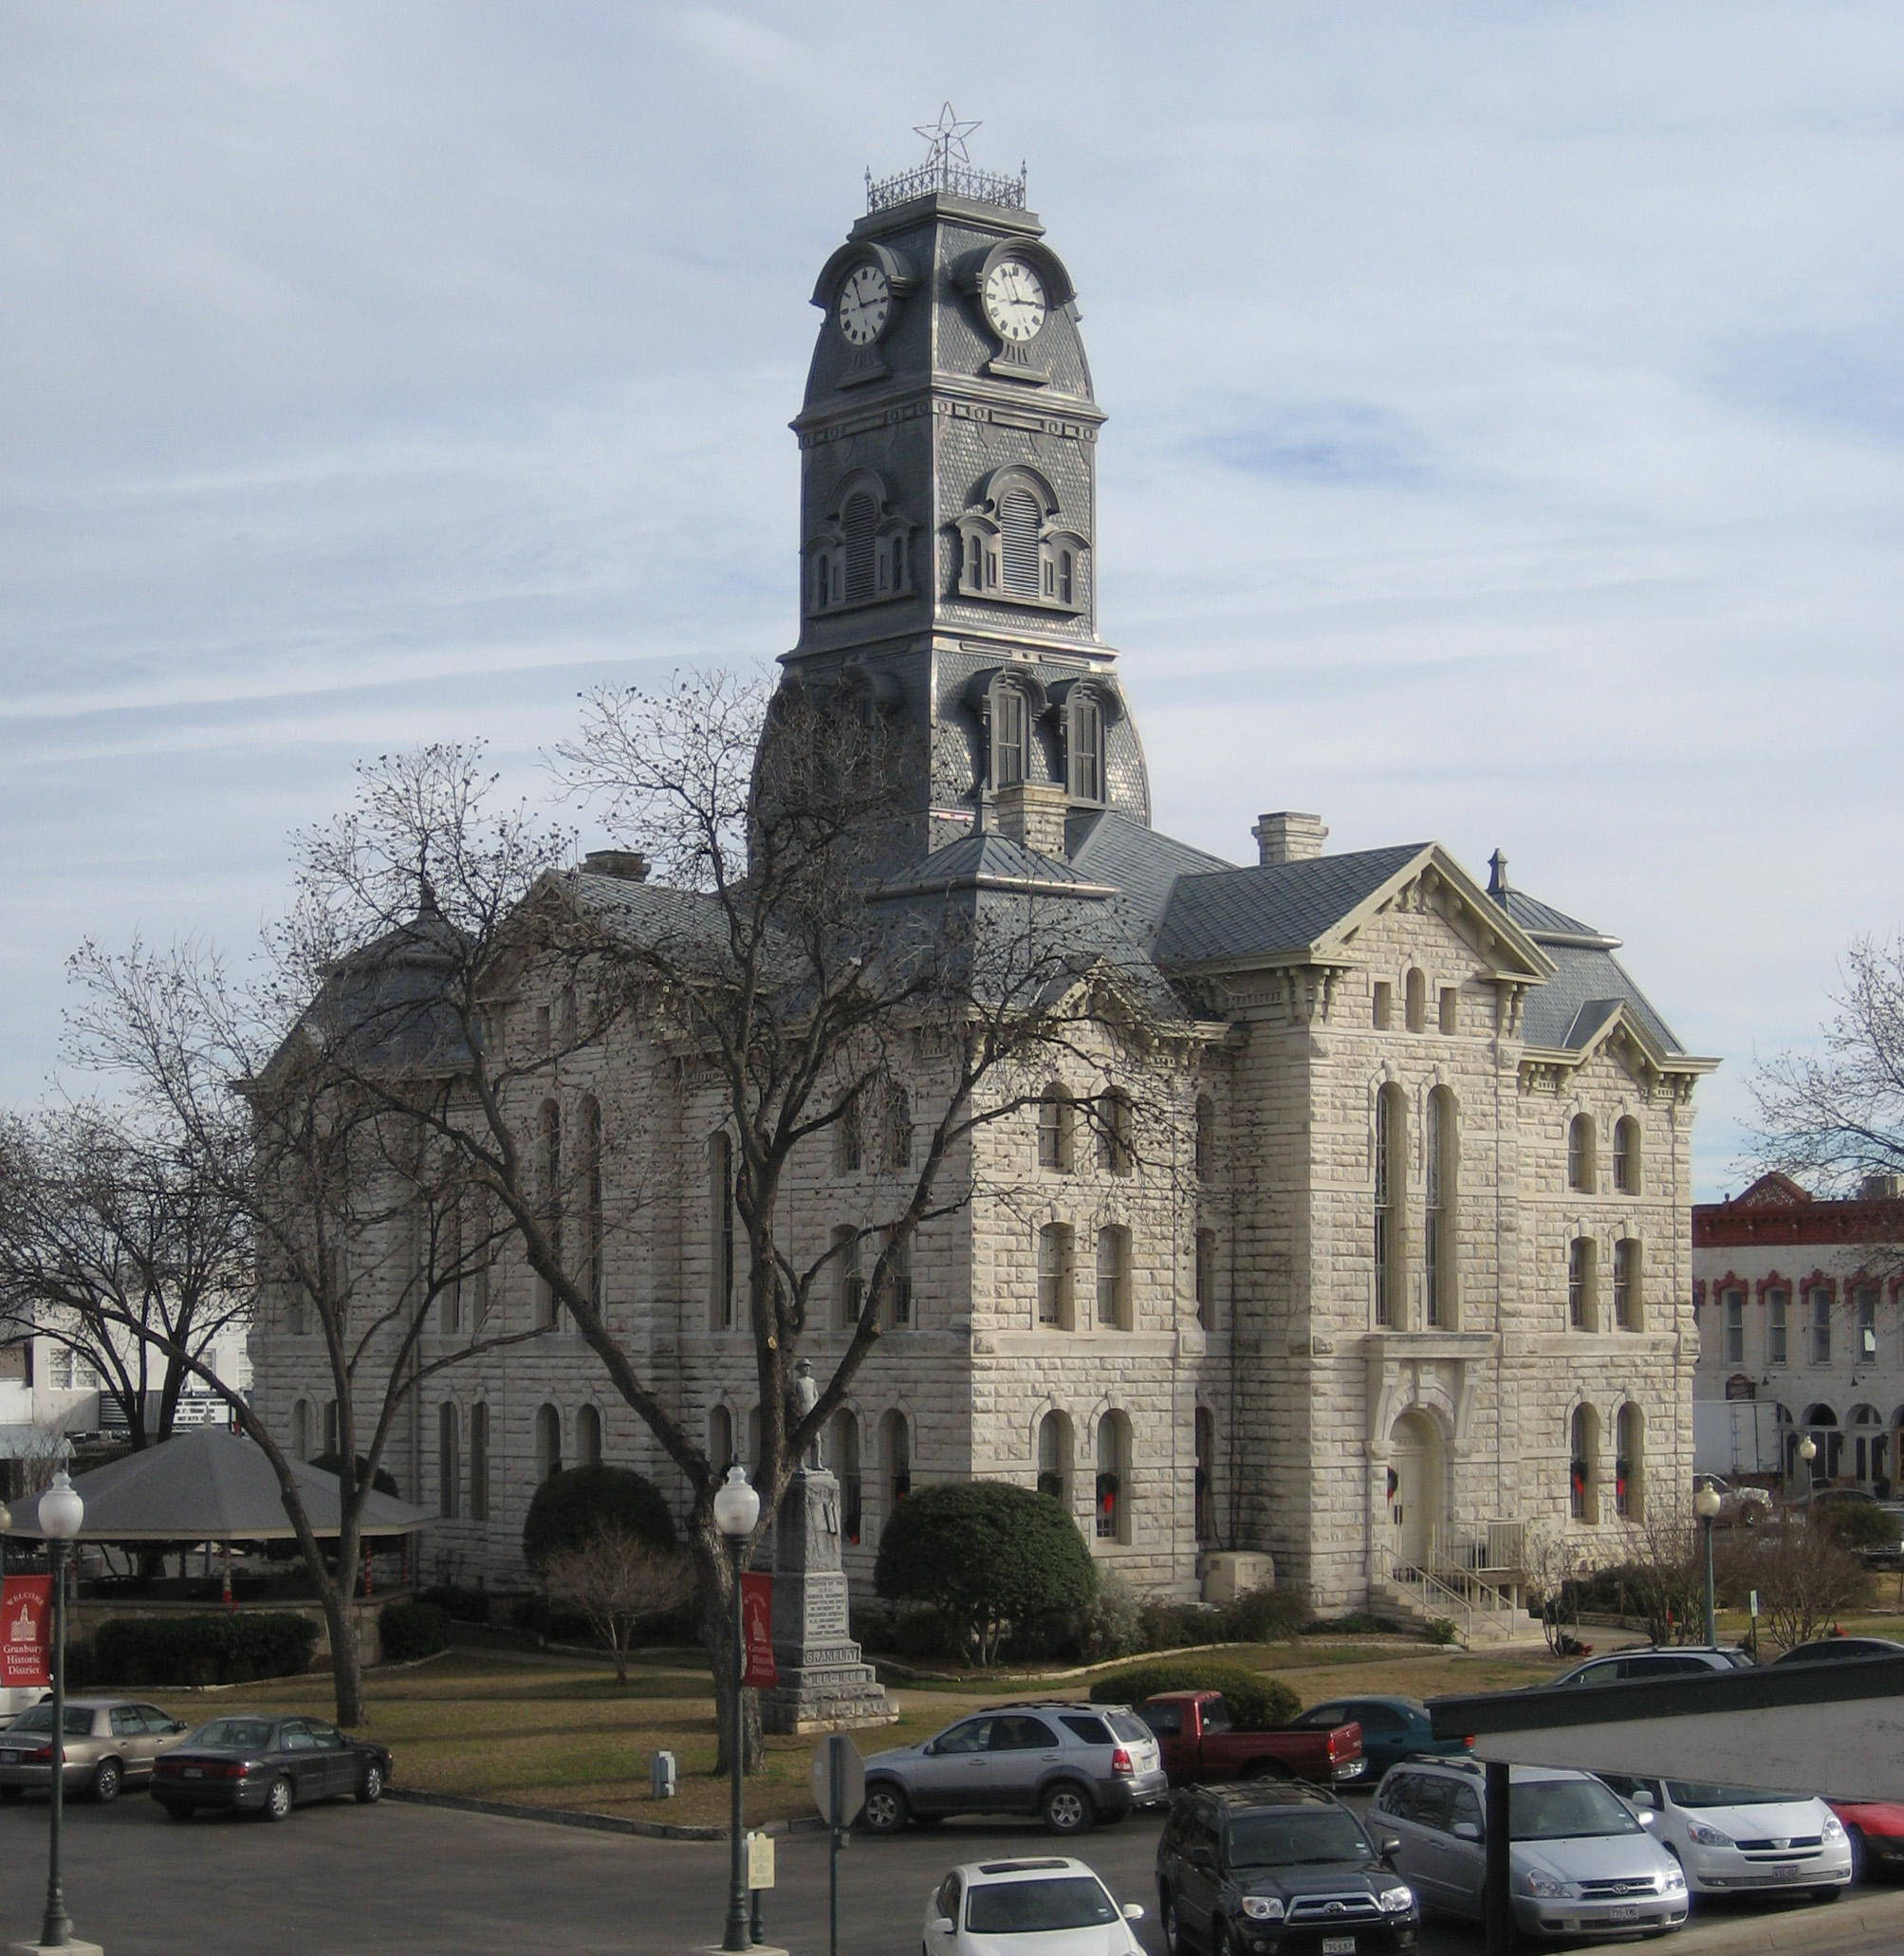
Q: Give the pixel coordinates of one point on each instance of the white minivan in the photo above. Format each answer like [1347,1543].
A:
[1739,1840]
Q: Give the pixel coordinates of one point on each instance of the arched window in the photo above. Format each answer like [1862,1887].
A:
[1018,527]
[898,1142]
[479,1463]
[1627,1172]
[721,1232]
[588,1437]
[547,1444]
[1085,748]
[1818,1317]
[896,1450]
[1065,577]
[1113,1134]
[591,1201]
[858,520]
[1205,1145]
[1440,1147]
[1206,1475]
[1054,1457]
[1583,1464]
[1629,1313]
[1582,1285]
[1206,1279]
[1867,1440]
[333,1436]
[1629,1464]
[1114,1478]
[301,1429]
[1391,1165]
[1007,736]
[1114,1280]
[1416,996]
[847,1151]
[547,1309]
[1778,1328]
[1054,1130]
[449,1467]
[1583,1175]
[895,1297]
[846,1465]
[1054,1277]
[720,1439]
[1821,1425]
[849,1287]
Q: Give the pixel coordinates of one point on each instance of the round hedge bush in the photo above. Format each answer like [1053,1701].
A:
[570,1506]
[1257,1702]
[407,1631]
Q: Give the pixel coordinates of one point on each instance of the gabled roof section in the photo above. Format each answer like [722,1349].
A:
[1772,1190]
[1576,1008]
[1143,865]
[992,862]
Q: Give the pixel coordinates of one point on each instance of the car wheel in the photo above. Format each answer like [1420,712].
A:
[1224,1944]
[370,1788]
[176,1809]
[1068,1809]
[108,1777]
[885,1811]
[278,1800]
[1267,1770]
[1855,1835]
[1172,1935]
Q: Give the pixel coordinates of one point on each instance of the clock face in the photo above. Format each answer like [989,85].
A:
[866,304]
[1014,300]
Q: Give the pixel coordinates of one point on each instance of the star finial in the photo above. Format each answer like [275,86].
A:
[945,140]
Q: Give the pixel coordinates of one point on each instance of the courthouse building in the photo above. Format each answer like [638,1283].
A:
[1420,1278]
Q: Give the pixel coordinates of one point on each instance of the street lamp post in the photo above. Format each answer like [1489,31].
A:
[736,1511]
[60,1513]
[1807,1452]
[1707,1502]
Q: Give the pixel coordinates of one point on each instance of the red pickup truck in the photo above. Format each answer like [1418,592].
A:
[1200,1746]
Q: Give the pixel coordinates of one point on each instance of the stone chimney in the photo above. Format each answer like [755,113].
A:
[1031,813]
[628,864]
[1287,836]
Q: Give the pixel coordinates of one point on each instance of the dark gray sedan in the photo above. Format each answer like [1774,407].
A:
[249,1762]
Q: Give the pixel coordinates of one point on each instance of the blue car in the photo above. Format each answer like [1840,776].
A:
[1392,1730]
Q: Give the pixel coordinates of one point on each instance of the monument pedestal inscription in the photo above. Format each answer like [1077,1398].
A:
[823,1685]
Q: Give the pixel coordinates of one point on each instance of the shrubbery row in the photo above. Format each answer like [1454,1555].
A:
[154,1652]
[412,1630]
[1256,1701]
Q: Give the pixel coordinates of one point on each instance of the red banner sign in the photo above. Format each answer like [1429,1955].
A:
[757,1628]
[26,1632]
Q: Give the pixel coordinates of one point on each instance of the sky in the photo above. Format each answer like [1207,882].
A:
[1506,437]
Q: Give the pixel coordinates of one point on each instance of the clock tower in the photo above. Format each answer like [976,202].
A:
[947,449]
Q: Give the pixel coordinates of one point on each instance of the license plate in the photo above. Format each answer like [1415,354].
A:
[9,1759]
[1789,1872]
[194,1772]
[1338,1946]
[1625,1912]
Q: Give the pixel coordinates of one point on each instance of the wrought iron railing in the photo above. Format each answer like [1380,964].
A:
[954,178]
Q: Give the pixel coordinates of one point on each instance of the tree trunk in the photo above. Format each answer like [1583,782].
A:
[715,1591]
[346,1663]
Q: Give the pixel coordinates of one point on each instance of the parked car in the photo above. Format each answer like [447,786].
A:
[1580,1862]
[1741,1504]
[1073,1764]
[1245,1869]
[252,1763]
[1202,1748]
[1733,1839]
[1830,1649]
[1650,1660]
[1874,1829]
[1063,1903]
[1393,1729]
[110,1742]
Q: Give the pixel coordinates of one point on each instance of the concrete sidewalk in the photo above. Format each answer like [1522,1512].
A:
[1867,1918]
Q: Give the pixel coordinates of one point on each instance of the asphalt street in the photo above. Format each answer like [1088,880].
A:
[342,1878]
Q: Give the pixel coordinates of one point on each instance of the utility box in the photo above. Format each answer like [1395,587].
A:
[662,1775]
[1232,1573]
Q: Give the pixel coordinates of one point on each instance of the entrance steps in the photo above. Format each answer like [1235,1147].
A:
[1484,1617]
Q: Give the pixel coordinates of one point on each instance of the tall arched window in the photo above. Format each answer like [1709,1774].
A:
[1629,1313]
[1206,1475]
[1114,1280]
[721,1232]
[898,1124]
[301,1429]
[1582,1285]
[1114,1478]
[479,1463]
[1390,1174]
[1007,736]
[1054,1457]
[1205,1145]
[1018,527]
[1627,1172]
[1054,1130]
[1206,1279]
[547,1309]
[1113,1134]
[588,1437]
[449,1467]
[1629,1464]
[846,1465]
[1583,1464]
[849,1286]
[895,1451]
[1055,1311]
[1415,1000]
[547,1444]
[720,1439]
[592,1287]
[1581,1172]
[1441,1149]
[858,520]
[1084,749]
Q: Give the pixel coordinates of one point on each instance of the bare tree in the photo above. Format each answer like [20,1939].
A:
[1663,1570]
[116,1231]
[1804,1576]
[616,1578]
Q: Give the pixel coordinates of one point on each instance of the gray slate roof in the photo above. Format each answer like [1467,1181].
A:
[1585,991]
[1142,863]
[1269,909]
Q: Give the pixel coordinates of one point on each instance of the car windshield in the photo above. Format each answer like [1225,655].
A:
[1299,1837]
[1697,1793]
[78,1721]
[1565,1809]
[1031,1908]
[233,1735]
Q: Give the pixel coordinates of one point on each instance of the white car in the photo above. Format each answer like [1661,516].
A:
[1738,1840]
[1054,1906]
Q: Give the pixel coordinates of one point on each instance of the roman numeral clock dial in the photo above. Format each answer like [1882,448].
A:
[866,304]
[1013,298]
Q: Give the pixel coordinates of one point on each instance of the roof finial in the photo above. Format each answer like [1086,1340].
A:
[1497,878]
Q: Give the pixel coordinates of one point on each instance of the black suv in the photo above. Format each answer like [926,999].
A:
[1270,1868]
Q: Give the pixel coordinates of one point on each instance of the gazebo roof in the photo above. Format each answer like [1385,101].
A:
[212,1485]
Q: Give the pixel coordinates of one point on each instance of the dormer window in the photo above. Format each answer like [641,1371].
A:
[858,519]
[1018,541]
[861,553]
[1008,728]
[1084,748]
[1015,544]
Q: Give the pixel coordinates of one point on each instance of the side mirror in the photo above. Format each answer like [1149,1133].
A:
[1640,1800]
[1388,1847]
[1133,1911]
[1465,1829]
[931,1749]
[944,1926]
[177,1725]
[1202,1859]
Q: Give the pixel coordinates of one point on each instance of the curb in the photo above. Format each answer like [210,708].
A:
[1827,1929]
[595,1823]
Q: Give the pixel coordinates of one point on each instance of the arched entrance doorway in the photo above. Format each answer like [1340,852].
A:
[1414,1489]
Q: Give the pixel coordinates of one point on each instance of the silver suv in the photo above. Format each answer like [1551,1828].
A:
[1070,1763]
[1650,1660]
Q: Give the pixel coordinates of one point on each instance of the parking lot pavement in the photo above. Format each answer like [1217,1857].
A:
[344,1878]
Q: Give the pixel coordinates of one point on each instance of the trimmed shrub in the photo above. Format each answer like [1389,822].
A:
[1359,1623]
[1857,1524]
[1256,1701]
[570,1506]
[228,1649]
[1264,1617]
[988,1558]
[412,1630]
[82,1669]
[461,1605]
